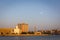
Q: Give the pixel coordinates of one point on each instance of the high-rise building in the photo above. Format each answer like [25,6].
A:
[19,26]
[23,27]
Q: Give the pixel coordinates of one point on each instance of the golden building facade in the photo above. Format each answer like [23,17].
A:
[23,27]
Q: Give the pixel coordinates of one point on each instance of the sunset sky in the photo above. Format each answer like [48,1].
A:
[44,14]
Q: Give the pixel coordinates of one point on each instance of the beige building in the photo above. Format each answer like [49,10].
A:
[17,30]
[23,27]
[38,33]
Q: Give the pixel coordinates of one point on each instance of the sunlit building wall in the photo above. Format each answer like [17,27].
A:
[24,27]
[5,30]
[17,30]
[19,26]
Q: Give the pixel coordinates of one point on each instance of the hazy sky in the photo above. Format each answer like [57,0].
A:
[44,14]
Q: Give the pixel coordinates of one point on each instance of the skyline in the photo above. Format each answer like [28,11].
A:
[40,13]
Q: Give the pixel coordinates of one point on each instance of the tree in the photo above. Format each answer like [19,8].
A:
[24,33]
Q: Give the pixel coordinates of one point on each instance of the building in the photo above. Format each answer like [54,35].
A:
[17,30]
[4,31]
[38,33]
[19,26]
[23,27]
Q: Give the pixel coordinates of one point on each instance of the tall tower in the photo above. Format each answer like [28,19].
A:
[23,27]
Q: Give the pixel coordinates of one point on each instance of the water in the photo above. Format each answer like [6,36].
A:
[55,37]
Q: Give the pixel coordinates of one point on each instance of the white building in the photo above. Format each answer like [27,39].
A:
[17,30]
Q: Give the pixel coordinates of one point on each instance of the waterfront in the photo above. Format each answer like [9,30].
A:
[54,37]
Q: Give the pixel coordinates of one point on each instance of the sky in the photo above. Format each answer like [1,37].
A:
[44,14]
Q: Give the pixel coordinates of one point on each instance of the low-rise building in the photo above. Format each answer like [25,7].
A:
[4,31]
[17,30]
[38,33]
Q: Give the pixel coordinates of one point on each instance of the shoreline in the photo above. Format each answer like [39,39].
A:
[25,35]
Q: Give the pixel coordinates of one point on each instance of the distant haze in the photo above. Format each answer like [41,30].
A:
[44,14]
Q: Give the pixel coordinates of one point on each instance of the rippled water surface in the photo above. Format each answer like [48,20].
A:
[55,37]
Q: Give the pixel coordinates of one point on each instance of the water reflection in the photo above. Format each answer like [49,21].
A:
[31,38]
